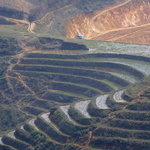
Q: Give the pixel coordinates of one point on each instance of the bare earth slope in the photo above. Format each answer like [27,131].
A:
[128,21]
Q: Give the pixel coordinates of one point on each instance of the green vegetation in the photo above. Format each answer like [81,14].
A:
[32,110]
[79,118]
[8,46]
[50,131]
[44,81]
[129,126]
[11,13]
[96,112]
[50,6]
[6,147]
[36,139]
[10,117]
[15,143]
[119,143]
[10,114]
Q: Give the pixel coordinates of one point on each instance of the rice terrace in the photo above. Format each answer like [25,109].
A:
[71,86]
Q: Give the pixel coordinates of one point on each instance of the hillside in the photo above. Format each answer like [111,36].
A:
[118,20]
[59,93]
[64,96]
[124,22]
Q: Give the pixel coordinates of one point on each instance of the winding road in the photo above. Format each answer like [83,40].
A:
[98,14]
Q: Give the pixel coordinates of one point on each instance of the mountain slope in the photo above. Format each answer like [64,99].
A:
[128,21]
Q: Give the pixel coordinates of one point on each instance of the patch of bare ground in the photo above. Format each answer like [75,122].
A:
[126,22]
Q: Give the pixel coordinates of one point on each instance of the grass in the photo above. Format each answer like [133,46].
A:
[13,31]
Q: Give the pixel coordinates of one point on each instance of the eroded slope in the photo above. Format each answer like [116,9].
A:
[127,21]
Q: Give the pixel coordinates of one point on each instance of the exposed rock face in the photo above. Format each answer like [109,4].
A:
[128,21]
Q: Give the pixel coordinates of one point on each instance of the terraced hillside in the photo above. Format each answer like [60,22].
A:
[78,100]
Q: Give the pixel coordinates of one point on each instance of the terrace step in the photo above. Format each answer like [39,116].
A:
[129,124]
[86,81]
[126,77]
[76,89]
[139,106]
[98,107]
[87,56]
[22,128]
[65,110]
[31,122]
[11,134]
[78,117]
[15,143]
[6,147]
[118,96]
[24,136]
[101,102]
[32,136]
[107,131]
[41,103]
[134,115]
[128,68]
[45,116]
[73,71]
[51,131]
[143,68]
[119,143]
[66,126]
[33,110]
[61,97]
[82,108]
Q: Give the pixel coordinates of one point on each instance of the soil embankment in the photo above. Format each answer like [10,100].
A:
[128,21]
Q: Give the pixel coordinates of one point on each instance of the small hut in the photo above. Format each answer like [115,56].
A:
[80,36]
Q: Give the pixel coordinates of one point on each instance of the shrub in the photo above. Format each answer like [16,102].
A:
[64,124]
[15,143]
